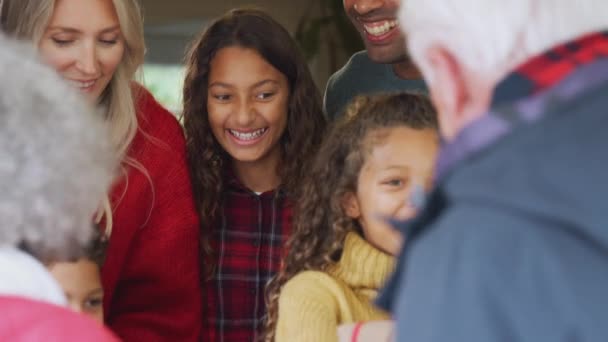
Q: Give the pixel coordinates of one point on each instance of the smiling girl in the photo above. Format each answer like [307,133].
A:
[253,119]
[342,250]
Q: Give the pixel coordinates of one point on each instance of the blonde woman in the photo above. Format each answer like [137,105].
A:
[151,273]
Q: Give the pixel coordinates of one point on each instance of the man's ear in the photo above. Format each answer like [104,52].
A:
[459,95]
[351,205]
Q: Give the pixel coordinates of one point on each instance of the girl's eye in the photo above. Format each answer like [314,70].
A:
[265,96]
[394,182]
[222,97]
[93,303]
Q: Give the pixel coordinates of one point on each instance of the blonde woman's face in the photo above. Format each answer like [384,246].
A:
[84,43]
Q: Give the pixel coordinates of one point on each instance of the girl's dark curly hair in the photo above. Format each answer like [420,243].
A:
[320,222]
[252,29]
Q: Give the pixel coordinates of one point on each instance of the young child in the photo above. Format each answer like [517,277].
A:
[342,250]
[253,119]
[81,280]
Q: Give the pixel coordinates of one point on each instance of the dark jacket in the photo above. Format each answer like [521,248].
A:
[513,243]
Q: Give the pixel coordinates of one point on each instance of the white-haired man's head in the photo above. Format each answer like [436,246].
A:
[56,163]
[465,47]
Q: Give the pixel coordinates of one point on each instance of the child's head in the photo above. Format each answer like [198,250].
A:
[249,99]
[81,280]
[370,164]
[392,156]
[364,174]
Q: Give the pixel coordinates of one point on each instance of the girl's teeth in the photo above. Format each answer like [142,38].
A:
[248,136]
[381,29]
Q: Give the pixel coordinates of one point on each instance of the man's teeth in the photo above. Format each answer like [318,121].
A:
[378,30]
[249,135]
[82,85]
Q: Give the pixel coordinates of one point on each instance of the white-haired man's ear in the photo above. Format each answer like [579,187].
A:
[458,94]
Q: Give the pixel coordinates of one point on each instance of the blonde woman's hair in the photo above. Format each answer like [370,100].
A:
[28,19]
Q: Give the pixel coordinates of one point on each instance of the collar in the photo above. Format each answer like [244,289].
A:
[24,276]
[527,94]
[551,67]
[234,183]
[362,265]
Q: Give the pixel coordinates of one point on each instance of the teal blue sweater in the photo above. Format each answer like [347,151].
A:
[362,76]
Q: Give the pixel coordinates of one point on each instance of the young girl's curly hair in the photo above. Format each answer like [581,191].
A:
[320,222]
[251,29]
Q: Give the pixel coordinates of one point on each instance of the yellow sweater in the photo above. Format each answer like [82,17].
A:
[312,304]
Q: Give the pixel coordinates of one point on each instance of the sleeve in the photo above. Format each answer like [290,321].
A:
[307,310]
[481,274]
[158,297]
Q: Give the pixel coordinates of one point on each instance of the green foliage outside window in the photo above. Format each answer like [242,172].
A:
[165,82]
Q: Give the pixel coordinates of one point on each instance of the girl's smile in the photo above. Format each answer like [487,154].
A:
[247,105]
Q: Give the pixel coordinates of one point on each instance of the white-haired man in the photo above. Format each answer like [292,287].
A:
[513,242]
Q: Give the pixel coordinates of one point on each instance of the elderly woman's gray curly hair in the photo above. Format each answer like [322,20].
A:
[56,162]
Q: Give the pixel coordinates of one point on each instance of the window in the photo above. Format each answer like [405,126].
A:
[165,82]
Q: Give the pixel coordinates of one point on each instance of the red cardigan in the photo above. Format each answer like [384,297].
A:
[151,272]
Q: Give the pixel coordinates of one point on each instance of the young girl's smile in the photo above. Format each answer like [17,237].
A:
[247,104]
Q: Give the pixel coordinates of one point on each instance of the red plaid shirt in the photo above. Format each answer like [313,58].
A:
[538,74]
[247,242]
[551,67]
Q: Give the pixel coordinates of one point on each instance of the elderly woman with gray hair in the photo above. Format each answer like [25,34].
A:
[55,165]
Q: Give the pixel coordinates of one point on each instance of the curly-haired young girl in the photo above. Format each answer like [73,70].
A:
[253,118]
[341,250]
